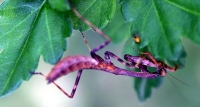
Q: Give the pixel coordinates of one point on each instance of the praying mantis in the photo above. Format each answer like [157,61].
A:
[81,62]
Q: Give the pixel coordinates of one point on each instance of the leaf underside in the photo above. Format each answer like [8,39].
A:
[144,87]
[98,12]
[160,24]
[27,30]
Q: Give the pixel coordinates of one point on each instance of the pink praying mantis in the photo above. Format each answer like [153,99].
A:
[81,62]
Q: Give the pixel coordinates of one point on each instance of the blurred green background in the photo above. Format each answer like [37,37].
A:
[100,89]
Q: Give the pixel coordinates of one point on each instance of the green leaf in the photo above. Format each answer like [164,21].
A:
[29,29]
[144,86]
[161,23]
[98,12]
[60,5]
[117,29]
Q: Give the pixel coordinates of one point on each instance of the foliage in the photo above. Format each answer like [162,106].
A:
[28,30]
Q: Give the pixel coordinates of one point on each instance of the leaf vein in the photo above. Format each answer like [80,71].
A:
[49,33]
[20,54]
[160,22]
[183,8]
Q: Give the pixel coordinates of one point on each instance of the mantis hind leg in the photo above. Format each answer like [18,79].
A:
[62,90]
[76,83]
